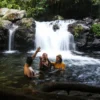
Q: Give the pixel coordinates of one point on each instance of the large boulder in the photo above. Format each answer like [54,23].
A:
[4,26]
[12,14]
[25,34]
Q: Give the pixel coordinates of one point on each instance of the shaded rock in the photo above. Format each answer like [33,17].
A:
[4,26]
[30,94]
[55,27]
[68,86]
[88,20]
[25,34]
[85,39]
[96,42]
[3,39]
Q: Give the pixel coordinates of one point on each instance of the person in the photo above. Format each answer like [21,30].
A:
[28,70]
[44,64]
[58,65]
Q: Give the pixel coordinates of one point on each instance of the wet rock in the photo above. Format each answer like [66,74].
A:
[55,27]
[25,34]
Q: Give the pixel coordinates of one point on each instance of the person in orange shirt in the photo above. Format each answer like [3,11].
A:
[28,70]
[58,64]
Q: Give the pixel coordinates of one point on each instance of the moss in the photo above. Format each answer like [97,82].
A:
[58,17]
[95,28]
[77,30]
[27,22]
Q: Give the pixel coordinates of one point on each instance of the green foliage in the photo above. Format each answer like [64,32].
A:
[77,30]
[33,7]
[9,4]
[96,1]
[96,29]
[36,8]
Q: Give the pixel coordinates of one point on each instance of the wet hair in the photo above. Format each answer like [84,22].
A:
[44,54]
[60,57]
[29,61]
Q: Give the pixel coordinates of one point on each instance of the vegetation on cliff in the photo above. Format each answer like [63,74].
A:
[49,8]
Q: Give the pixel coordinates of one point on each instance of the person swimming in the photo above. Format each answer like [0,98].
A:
[44,63]
[28,70]
[58,65]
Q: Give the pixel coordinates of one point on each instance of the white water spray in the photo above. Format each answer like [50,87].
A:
[49,39]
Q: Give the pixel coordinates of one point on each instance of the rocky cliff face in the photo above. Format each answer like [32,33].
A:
[85,38]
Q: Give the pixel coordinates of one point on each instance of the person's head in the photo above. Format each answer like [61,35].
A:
[59,59]
[44,56]
[29,61]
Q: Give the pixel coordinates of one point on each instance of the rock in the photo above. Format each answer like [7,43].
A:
[55,27]
[85,39]
[68,86]
[3,11]
[5,24]
[12,14]
[25,34]
[96,42]
[88,20]
[58,17]
[3,39]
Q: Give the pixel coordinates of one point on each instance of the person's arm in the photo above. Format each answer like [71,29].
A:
[40,63]
[34,55]
[63,68]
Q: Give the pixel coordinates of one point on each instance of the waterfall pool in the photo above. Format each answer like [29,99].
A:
[11,71]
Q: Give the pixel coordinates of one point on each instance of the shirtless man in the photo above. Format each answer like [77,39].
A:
[28,70]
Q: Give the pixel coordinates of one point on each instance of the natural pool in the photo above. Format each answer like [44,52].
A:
[11,72]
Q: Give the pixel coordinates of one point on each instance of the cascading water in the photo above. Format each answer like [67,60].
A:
[59,41]
[10,40]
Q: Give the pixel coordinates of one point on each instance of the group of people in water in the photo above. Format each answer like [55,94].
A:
[45,65]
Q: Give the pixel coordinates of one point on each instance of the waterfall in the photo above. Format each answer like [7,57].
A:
[60,41]
[57,40]
[11,39]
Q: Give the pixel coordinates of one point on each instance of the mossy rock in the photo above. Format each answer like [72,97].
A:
[58,17]
[78,30]
[27,22]
[5,24]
